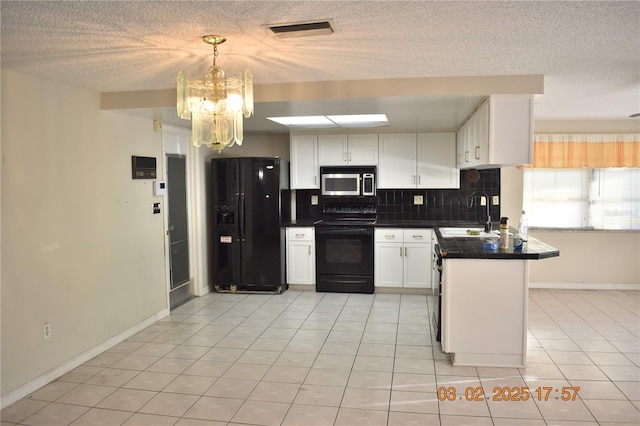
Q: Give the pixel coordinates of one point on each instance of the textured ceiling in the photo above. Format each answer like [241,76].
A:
[588,52]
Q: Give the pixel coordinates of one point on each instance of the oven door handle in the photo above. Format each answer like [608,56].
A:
[344,281]
[343,231]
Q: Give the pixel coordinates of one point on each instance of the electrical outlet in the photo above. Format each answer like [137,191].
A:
[314,200]
[46,330]
[483,201]
[496,200]
[418,200]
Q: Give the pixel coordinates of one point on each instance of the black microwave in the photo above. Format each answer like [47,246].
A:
[348,181]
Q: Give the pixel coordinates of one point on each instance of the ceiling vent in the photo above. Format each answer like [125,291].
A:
[303,29]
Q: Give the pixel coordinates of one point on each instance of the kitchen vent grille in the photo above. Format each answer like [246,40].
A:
[302,29]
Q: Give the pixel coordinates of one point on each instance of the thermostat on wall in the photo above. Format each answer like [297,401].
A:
[159,188]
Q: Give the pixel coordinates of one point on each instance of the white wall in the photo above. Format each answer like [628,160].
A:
[81,248]
[586,257]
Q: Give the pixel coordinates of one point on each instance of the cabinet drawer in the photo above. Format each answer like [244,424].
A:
[388,235]
[417,235]
[300,234]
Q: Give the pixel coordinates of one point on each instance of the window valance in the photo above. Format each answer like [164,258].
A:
[559,151]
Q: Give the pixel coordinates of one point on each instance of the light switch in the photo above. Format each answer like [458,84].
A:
[496,200]
[418,200]
[483,201]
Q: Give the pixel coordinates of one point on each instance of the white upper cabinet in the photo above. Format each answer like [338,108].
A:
[424,160]
[352,149]
[397,160]
[304,162]
[363,149]
[436,164]
[332,150]
[499,133]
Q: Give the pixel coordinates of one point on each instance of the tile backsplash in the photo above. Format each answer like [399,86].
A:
[438,204]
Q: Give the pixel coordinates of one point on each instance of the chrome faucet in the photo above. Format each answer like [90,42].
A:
[487,224]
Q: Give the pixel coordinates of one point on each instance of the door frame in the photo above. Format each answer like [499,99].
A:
[177,141]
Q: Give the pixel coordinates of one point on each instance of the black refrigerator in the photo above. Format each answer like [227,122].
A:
[251,202]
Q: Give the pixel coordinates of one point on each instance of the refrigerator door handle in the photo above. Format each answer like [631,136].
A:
[241,213]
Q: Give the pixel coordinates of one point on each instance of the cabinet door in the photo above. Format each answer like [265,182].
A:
[300,262]
[460,146]
[304,162]
[397,160]
[332,150]
[437,161]
[417,257]
[389,261]
[464,136]
[363,149]
[480,151]
[417,265]
[301,256]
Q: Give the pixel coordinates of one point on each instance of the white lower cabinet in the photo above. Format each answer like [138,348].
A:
[403,257]
[301,256]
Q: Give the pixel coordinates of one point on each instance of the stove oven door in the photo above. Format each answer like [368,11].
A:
[344,259]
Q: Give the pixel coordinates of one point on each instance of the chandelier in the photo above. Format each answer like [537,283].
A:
[215,103]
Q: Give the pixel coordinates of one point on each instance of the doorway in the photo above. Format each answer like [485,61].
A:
[180,284]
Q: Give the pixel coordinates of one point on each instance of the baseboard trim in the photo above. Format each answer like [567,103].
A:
[63,369]
[381,290]
[404,290]
[585,286]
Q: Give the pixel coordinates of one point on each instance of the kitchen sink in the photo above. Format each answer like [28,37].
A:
[467,233]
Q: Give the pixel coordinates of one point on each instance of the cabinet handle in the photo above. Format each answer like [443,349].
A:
[389,237]
[299,235]
[477,152]
[309,250]
[417,237]
[315,180]
[344,156]
[400,251]
[466,156]
[405,251]
[349,156]
[413,179]
[419,181]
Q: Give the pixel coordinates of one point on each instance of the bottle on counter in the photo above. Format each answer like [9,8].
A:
[523,227]
[504,233]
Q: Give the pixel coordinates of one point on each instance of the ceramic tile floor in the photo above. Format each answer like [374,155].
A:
[306,358]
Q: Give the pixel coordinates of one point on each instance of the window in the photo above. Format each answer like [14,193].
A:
[583,198]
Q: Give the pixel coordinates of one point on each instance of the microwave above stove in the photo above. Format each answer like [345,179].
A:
[348,181]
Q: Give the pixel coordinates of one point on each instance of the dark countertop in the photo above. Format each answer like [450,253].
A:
[414,223]
[300,223]
[471,248]
[464,247]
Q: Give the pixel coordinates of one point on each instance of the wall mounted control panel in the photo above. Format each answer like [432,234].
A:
[143,167]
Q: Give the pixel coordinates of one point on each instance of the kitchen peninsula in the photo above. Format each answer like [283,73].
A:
[484,300]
